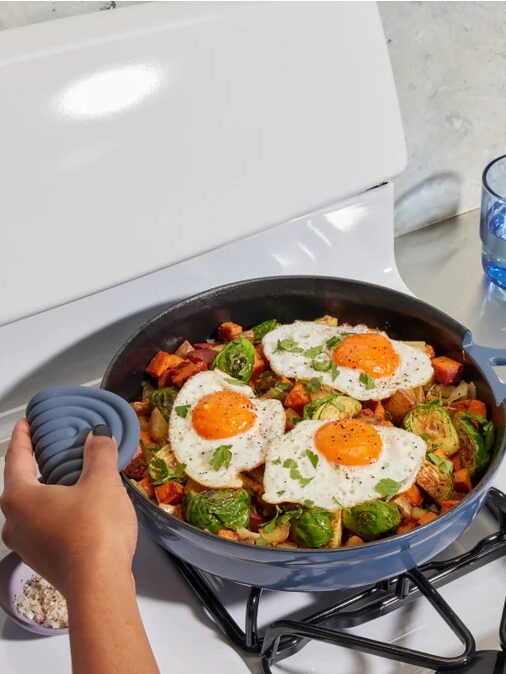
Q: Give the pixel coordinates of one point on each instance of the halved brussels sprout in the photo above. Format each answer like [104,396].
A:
[473,454]
[163,399]
[237,359]
[260,330]
[312,527]
[372,519]
[214,510]
[434,425]
[332,407]
[438,484]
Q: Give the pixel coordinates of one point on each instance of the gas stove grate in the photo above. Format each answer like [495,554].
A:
[283,638]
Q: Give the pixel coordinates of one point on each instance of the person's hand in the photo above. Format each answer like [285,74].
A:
[64,533]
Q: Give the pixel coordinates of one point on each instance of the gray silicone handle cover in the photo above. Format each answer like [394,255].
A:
[61,417]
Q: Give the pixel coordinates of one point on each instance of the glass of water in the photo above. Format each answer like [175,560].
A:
[493,221]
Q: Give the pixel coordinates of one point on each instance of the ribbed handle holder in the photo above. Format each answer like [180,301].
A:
[61,417]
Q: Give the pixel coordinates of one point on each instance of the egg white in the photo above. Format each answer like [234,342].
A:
[401,457]
[415,368]
[248,448]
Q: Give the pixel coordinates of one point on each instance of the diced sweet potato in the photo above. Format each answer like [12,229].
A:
[161,362]
[169,492]
[183,349]
[202,355]
[447,370]
[447,505]
[457,462]
[185,370]
[249,335]
[405,527]
[354,540]
[473,406]
[146,484]
[399,404]
[297,398]
[413,495]
[137,468]
[228,331]
[463,480]
[228,533]
[428,517]
[258,365]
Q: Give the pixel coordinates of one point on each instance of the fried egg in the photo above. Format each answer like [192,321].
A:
[339,463]
[217,428]
[366,364]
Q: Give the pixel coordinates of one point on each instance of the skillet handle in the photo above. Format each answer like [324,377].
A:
[487,358]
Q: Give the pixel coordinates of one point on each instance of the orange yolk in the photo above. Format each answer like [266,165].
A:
[348,442]
[370,352]
[223,414]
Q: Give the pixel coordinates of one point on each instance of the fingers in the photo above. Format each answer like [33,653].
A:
[100,457]
[19,460]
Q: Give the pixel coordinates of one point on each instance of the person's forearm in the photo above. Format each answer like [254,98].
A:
[106,632]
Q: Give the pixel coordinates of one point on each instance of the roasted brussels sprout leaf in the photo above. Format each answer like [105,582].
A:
[433,422]
[236,359]
[214,510]
[312,527]
[260,330]
[372,519]
[163,399]
[332,407]
[438,484]
[388,487]
[472,453]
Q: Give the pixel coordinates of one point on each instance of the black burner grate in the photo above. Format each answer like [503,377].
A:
[283,638]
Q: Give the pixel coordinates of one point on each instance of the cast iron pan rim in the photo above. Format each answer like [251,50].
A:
[222,289]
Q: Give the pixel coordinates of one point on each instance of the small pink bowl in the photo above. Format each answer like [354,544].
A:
[13,575]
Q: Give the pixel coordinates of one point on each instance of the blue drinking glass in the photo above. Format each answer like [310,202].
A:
[493,221]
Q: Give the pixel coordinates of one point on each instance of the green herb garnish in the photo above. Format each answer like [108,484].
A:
[222,457]
[288,345]
[334,341]
[322,363]
[387,487]
[367,380]
[182,410]
[313,385]
[312,457]
[295,473]
[281,492]
[160,472]
[334,372]
[314,351]
[443,464]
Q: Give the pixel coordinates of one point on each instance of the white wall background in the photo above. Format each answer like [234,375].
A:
[449,62]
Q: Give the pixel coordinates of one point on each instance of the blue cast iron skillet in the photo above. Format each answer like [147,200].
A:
[288,298]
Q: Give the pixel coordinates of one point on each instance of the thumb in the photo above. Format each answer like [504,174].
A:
[100,455]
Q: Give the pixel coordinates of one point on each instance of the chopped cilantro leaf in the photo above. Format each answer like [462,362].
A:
[334,372]
[288,345]
[313,385]
[222,457]
[387,487]
[367,380]
[443,464]
[312,457]
[182,410]
[334,341]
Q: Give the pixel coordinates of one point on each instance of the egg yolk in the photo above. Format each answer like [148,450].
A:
[370,352]
[223,414]
[348,442]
